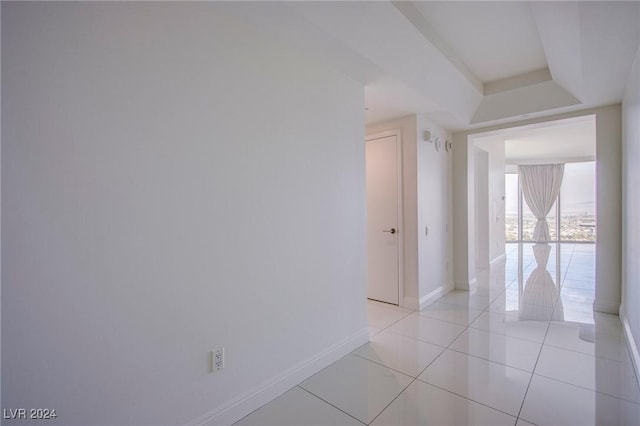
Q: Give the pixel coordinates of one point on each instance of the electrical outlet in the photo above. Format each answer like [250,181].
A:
[217,359]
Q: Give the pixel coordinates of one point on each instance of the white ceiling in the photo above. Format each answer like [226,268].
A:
[436,58]
[495,40]
[566,141]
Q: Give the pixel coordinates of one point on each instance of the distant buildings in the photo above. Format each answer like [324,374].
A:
[573,227]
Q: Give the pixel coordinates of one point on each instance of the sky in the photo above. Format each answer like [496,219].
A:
[576,196]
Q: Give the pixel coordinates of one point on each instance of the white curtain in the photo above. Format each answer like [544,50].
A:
[540,186]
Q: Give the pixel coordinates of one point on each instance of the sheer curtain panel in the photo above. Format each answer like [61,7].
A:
[540,186]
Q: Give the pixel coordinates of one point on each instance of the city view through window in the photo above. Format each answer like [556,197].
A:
[577,207]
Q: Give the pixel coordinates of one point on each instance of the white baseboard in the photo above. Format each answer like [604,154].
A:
[235,409]
[631,344]
[497,260]
[418,305]
[434,295]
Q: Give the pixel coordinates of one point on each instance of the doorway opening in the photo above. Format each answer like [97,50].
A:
[572,218]
[496,199]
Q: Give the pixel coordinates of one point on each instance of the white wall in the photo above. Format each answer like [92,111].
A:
[172,181]
[608,209]
[426,180]
[481,207]
[466,230]
[463,223]
[435,250]
[608,157]
[629,312]
[494,147]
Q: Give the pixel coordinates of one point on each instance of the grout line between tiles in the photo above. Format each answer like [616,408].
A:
[451,322]
[392,401]
[395,369]
[435,359]
[327,402]
[623,347]
[533,371]
[467,398]
[492,361]
[592,390]
[394,322]
[466,328]
[424,369]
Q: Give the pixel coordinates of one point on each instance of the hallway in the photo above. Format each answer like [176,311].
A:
[518,350]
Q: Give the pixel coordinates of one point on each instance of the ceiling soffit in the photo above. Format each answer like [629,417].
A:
[589,47]
[407,66]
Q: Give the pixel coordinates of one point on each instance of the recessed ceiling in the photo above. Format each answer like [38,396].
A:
[437,58]
[495,40]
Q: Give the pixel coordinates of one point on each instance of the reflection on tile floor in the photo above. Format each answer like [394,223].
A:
[522,348]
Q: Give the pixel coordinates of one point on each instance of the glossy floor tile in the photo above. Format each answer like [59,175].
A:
[357,386]
[401,353]
[525,310]
[603,323]
[427,329]
[382,315]
[599,374]
[509,324]
[574,299]
[524,347]
[569,315]
[298,407]
[553,403]
[456,314]
[467,300]
[499,348]
[489,383]
[586,339]
[423,404]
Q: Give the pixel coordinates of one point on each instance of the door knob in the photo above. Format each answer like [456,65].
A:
[391,231]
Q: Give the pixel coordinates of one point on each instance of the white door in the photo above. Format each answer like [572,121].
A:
[382,218]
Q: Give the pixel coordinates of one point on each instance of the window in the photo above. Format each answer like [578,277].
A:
[511,194]
[528,220]
[577,207]
[578,202]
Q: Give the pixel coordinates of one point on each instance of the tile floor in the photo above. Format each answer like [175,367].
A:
[518,350]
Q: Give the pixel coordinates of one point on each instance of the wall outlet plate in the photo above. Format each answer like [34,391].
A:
[217,359]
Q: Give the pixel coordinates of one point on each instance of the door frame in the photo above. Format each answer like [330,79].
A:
[400,206]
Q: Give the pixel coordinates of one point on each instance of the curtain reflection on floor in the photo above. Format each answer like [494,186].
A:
[541,292]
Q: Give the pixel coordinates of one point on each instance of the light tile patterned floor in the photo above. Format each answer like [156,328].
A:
[522,348]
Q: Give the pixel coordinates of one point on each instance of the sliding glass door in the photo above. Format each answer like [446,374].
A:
[511,199]
[578,198]
[573,215]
